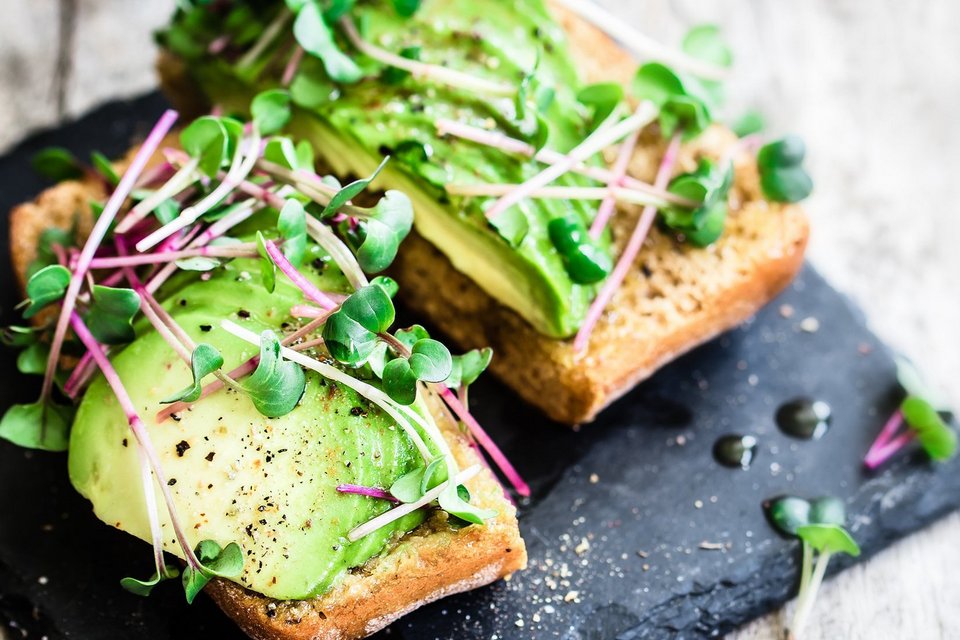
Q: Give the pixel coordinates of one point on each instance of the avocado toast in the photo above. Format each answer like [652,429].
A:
[462,94]
[242,401]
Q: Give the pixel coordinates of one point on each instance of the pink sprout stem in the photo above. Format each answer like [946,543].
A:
[137,427]
[291,69]
[371,492]
[609,203]
[80,375]
[630,252]
[182,179]
[594,143]
[485,441]
[423,70]
[97,235]
[308,288]
[886,445]
[307,311]
[246,250]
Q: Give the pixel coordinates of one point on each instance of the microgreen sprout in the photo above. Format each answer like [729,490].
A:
[709,185]
[277,385]
[782,176]
[818,524]
[921,412]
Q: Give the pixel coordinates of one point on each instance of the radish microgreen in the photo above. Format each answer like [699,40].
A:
[601,99]
[145,587]
[214,561]
[584,259]
[352,190]
[382,230]
[39,425]
[350,333]
[312,32]
[292,225]
[276,386]
[426,361]
[110,315]
[46,286]
[204,360]
[270,111]
[782,176]
[57,164]
[709,185]
[207,140]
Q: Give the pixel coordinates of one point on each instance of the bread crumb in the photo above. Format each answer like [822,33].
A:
[810,325]
[786,311]
[571,596]
[583,547]
[594,478]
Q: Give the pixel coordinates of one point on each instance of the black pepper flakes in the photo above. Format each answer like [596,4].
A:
[182,447]
[243,313]
[206,328]
[171,482]
[209,456]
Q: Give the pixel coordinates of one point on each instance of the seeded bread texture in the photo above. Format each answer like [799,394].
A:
[431,562]
[676,298]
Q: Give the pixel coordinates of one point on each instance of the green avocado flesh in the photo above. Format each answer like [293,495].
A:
[267,484]
[353,125]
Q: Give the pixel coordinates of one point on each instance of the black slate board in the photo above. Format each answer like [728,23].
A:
[655,492]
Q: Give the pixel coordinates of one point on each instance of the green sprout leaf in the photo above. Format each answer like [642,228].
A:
[215,562]
[407,488]
[685,103]
[315,36]
[351,191]
[14,336]
[292,225]
[434,474]
[350,333]
[46,256]
[207,139]
[57,163]
[104,167]
[110,317]
[789,513]
[271,111]
[467,368]
[40,425]
[33,359]
[395,75]
[455,501]
[45,287]
[388,284]
[430,361]
[828,538]
[144,587]
[277,385]
[268,270]
[782,176]
[601,98]
[204,360]
[749,123]
[934,434]
[709,185]
[704,42]
[281,151]
[406,8]
[385,228]
[399,381]
[585,261]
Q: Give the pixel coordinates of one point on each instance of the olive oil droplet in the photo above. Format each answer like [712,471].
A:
[735,450]
[804,418]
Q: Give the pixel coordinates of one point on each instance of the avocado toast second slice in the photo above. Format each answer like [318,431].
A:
[461,143]
[309,496]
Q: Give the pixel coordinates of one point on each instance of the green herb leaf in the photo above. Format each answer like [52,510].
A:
[38,425]
[351,191]
[430,361]
[45,287]
[268,270]
[57,163]
[399,381]
[828,538]
[49,238]
[749,123]
[406,8]
[215,562]
[454,500]
[585,261]
[434,474]
[935,436]
[14,336]
[467,368]
[407,488]
[782,176]
[384,230]
[167,211]
[709,185]
[33,359]
[306,158]
[684,102]
[144,587]
[704,42]
[350,333]
[277,385]
[110,316]
[206,139]
[271,111]
[204,360]
[396,75]
[601,98]
[789,513]
[104,167]
[292,225]
[281,151]
[315,36]
[388,284]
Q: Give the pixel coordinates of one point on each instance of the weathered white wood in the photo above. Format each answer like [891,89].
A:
[874,89]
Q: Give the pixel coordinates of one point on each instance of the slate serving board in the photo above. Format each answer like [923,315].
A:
[633,531]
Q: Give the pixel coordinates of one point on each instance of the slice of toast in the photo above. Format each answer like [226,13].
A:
[677,297]
[431,562]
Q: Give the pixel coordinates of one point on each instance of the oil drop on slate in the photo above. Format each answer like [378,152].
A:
[804,418]
[734,450]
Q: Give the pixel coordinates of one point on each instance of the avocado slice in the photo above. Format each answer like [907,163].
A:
[391,113]
[268,484]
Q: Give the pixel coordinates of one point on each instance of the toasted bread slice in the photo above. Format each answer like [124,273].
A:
[431,562]
[677,297]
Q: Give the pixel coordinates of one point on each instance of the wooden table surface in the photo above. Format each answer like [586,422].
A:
[873,88]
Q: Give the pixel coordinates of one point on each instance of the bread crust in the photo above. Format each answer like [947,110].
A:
[431,562]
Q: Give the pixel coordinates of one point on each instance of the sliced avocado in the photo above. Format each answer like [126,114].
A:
[353,125]
[267,484]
